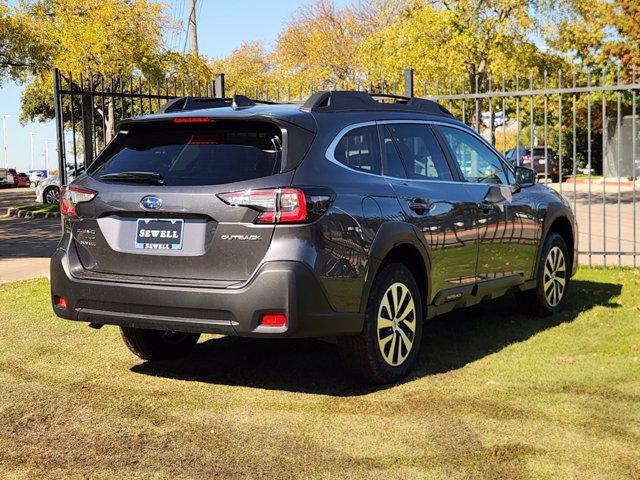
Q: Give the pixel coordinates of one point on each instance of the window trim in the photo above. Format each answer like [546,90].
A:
[329,153]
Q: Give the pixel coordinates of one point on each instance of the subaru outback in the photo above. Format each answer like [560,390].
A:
[351,216]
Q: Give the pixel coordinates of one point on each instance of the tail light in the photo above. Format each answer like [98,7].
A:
[71,196]
[278,205]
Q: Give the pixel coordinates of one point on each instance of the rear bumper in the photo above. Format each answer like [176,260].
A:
[277,287]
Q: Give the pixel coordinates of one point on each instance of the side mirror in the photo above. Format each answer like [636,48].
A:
[525,177]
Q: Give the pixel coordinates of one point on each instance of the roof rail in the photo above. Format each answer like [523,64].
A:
[345,100]
[193,103]
[184,104]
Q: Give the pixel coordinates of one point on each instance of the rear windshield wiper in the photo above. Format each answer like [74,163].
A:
[153,178]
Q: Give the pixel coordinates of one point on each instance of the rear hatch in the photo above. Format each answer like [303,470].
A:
[157,212]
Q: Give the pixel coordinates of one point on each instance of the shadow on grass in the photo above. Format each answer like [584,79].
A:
[450,342]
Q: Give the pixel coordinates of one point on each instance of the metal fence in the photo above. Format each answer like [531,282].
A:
[586,124]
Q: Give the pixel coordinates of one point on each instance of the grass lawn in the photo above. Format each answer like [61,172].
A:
[39,207]
[496,396]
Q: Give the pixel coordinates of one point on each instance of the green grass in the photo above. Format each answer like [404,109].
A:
[495,396]
[39,207]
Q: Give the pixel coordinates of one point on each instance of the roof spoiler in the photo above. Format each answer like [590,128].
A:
[344,101]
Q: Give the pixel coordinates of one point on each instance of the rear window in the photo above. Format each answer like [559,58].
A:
[190,154]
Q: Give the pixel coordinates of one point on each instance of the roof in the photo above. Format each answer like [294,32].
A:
[335,101]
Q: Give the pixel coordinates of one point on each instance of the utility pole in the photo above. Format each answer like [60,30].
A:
[192,28]
[46,154]
[4,138]
[33,134]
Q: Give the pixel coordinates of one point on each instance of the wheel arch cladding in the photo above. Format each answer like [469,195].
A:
[562,226]
[397,242]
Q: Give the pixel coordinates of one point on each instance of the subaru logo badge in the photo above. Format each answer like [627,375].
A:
[151,203]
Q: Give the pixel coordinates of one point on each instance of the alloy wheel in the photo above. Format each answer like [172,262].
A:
[53,196]
[396,324]
[555,276]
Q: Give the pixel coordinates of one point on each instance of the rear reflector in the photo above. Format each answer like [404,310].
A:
[192,120]
[274,320]
[60,302]
[279,205]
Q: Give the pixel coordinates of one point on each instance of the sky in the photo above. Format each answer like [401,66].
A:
[222,26]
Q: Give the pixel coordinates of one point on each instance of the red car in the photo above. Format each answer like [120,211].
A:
[23,180]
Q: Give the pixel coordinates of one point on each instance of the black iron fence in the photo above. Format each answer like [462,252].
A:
[579,131]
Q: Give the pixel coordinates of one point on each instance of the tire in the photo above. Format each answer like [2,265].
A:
[543,301]
[387,348]
[51,196]
[158,344]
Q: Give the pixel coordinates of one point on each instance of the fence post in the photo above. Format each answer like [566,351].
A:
[62,171]
[86,102]
[408,82]
[220,85]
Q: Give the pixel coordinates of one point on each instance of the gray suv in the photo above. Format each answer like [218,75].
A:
[351,216]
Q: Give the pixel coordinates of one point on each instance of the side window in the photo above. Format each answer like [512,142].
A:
[360,149]
[423,158]
[391,162]
[477,162]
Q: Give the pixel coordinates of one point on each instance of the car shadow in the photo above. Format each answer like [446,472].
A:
[449,342]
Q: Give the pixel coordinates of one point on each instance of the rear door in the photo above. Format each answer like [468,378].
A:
[433,200]
[179,228]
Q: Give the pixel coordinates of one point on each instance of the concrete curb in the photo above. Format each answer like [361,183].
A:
[14,212]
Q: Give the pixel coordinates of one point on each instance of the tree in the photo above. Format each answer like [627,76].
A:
[112,37]
[470,38]
[106,41]
[319,45]
[624,16]
[247,68]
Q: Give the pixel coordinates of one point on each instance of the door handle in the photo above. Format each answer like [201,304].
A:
[419,205]
[486,207]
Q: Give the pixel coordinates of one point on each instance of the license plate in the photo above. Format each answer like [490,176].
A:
[542,161]
[159,234]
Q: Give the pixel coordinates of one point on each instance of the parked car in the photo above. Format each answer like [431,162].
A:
[344,217]
[6,177]
[23,180]
[537,161]
[48,191]
[37,176]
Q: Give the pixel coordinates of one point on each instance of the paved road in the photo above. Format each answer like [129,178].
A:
[606,221]
[25,245]
[11,197]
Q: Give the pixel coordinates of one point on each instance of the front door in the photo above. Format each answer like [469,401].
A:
[508,229]
[433,201]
